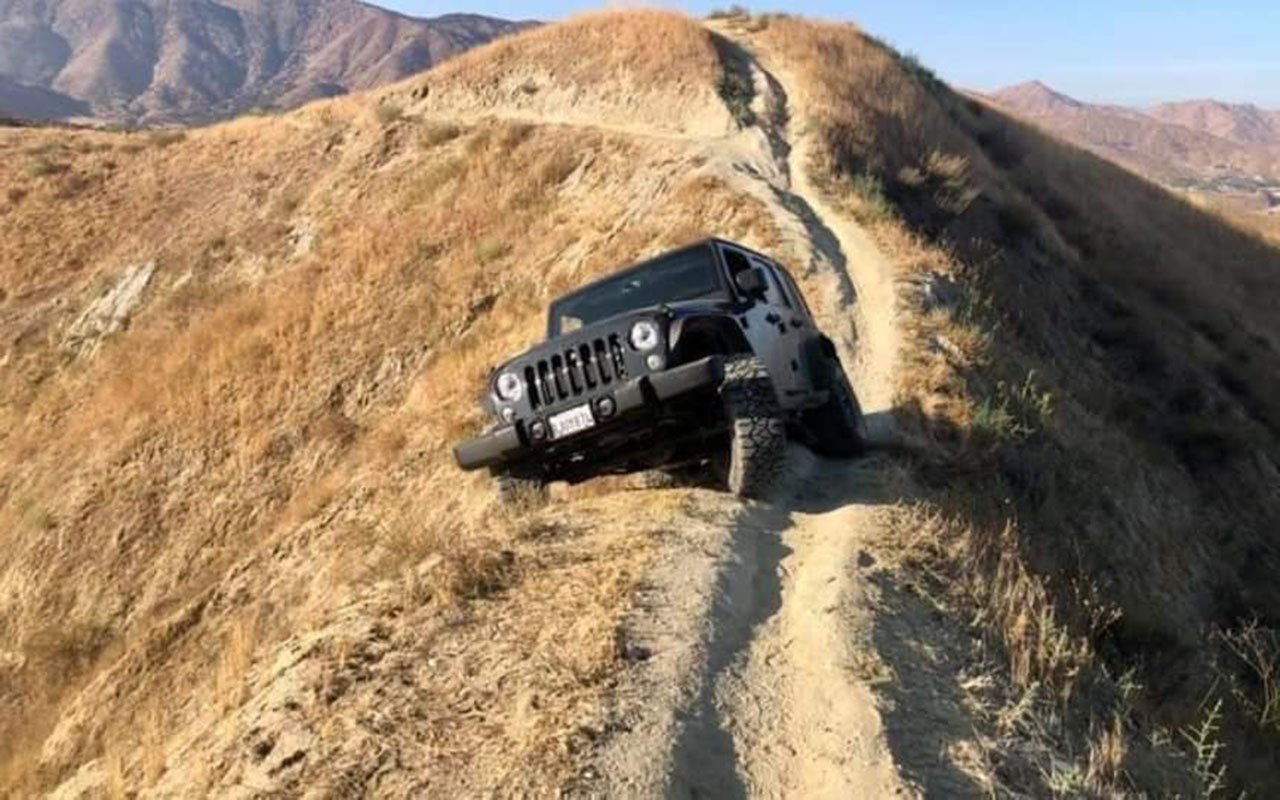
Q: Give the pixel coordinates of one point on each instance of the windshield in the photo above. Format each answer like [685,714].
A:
[682,275]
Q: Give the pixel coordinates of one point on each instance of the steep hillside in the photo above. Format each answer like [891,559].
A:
[238,558]
[1090,378]
[160,62]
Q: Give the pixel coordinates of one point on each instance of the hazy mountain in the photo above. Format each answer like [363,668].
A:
[151,61]
[1242,123]
[1194,142]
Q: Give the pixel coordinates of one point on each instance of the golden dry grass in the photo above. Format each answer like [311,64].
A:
[259,465]
[1095,410]
[598,47]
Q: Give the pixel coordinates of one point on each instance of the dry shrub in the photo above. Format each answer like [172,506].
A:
[388,113]
[984,570]
[435,133]
[599,46]
[1253,671]
[169,138]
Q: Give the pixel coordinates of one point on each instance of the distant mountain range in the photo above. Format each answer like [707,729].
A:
[188,61]
[1203,144]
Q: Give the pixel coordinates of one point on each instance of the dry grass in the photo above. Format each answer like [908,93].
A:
[593,48]
[264,449]
[598,69]
[1093,413]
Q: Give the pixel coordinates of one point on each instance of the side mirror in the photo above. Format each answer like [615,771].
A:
[751,282]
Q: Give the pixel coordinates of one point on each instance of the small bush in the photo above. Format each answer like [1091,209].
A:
[389,113]
[490,250]
[734,11]
[72,185]
[43,168]
[870,190]
[164,139]
[927,77]
[435,134]
[16,195]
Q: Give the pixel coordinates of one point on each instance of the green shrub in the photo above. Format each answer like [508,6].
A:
[490,250]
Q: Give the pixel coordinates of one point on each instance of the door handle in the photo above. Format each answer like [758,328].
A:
[796,322]
[772,318]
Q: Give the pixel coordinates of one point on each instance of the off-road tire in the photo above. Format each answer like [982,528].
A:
[516,492]
[758,432]
[837,429]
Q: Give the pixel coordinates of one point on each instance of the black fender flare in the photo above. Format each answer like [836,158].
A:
[818,353]
[705,335]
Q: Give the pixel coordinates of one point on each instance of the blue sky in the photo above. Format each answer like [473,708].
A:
[1122,51]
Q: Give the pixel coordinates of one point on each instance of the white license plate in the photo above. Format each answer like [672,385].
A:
[567,423]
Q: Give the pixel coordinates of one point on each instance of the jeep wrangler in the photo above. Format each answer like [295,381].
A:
[701,361]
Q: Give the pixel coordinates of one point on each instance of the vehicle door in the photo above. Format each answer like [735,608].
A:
[767,327]
[802,323]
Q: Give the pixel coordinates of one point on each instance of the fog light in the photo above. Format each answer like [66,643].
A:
[508,414]
[605,406]
[537,431]
[656,362]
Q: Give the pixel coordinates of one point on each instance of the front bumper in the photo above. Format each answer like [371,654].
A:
[511,442]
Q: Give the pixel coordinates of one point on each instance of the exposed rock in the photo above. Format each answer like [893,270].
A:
[110,313]
[302,238]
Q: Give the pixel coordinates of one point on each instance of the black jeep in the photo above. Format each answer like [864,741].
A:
[706,357]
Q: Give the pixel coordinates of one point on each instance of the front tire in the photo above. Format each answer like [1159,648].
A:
[758,431]
[838,429]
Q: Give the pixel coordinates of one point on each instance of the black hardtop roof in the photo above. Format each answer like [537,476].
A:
[641,265]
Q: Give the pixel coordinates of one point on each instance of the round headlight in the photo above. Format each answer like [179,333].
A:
[510,387]
[644,335]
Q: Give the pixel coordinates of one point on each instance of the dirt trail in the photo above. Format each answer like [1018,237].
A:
[759,685]
[753,634]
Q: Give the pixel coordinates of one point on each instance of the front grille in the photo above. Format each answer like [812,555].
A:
[575,370]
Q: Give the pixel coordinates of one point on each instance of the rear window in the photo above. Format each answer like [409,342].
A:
[683,275]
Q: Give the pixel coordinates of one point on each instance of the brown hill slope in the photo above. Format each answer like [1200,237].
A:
[1101,395]
[260,540]
[160,62]
[239,559]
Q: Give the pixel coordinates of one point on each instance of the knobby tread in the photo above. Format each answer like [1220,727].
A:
[757,450]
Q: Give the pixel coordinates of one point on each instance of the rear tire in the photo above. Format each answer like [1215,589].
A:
[838,429]
[758,431]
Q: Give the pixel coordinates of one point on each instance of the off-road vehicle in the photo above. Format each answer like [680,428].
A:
[701,360]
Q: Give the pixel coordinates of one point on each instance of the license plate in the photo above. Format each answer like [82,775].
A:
[575,420]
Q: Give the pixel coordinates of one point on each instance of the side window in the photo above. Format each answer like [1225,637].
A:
[797,299]
[774,293]
[736,262]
